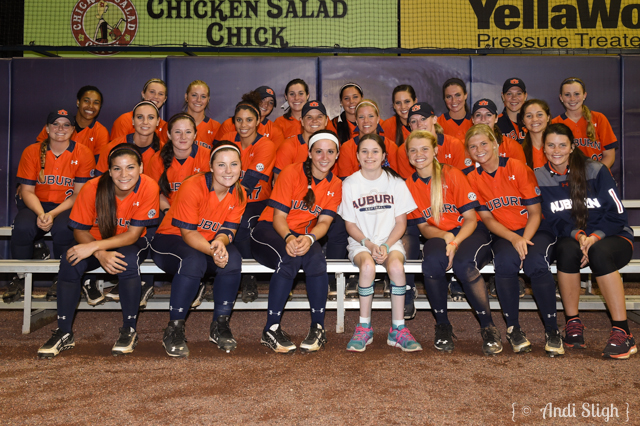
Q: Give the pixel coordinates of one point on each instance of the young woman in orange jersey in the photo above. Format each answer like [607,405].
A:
[457,121]
[50,175]
[88,130]
[195,239]
[196,103]
[397,128]
[535,117]
[510,207]
[514,95]
[303,204]
[144,119]
[345,123]
[593,133]
[109,220]
[446,217]
[296,94]
[154,90]
[485,112]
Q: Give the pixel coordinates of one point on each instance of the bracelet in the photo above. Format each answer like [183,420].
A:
[453,243]
[311,237]
[364,240]
[287,236]
[385,245]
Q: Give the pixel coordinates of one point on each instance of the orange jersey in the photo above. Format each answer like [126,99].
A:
[507,192]
[291,187]
[257,166]
[197,207]
[389,129]
[456,128]
[458,197]
[103,160]
[348,162]
[266,128]
[539,159]
[94,136]
[124,126]
[293,127]
[511,149]
[75,165]
[139,208]
[605,138]
[352,127]
[196,162]
[450,151]
[207,131]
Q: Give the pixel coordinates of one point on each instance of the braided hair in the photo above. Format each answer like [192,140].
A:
[167,154]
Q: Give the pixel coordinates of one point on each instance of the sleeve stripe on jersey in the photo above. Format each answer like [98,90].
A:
[27,181]
[328,213]
[276,170]
[468,206]
[180,224]
[531,201]
[418,221]
[82,179]
[279,206]
[612,192]
[150,222]
[76,225]
[257,175]
[231,225]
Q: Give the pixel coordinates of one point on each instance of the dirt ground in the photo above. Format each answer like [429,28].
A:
[253,385]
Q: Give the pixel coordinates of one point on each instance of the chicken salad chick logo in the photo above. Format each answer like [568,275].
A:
[104,23]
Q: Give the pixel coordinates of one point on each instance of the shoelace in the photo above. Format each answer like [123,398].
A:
[361,333]
[617,337]
[574,328]
[404,335]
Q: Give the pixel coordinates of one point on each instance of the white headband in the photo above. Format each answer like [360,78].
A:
[322,136]
[223,147]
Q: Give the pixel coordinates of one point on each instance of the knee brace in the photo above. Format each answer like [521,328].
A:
[365,291]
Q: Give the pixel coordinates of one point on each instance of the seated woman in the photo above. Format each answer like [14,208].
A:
[583,207]
[195,238]
[109,220]
[303,204]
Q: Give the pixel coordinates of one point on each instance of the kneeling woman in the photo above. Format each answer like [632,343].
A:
[510,207]
[194,239]
[109,219]
[595,231]
[446,216]
[303,204]
[375,203]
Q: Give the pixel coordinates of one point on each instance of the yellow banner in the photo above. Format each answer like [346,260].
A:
[524,24]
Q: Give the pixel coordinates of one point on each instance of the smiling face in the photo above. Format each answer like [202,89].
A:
[535,118]
[370,155]
[455,99]
[145,120]
[367,119]
[573,96]
[182,135]
[484,116]
[402,101]
[483,150]
[197,99]
[421,154]
[266,106]
[61,130]
[557,149]
[125,172]
[514,98]
[297,97]
[420,122]
[351,97]
[246,123]
[89,105]
[155,93]
[313,121]
[323,154]
[226,168]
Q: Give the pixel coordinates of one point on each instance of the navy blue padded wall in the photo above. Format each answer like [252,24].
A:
[42,85]
[631,117]
[5,101]
[378,77]
[229,78]
[543,75]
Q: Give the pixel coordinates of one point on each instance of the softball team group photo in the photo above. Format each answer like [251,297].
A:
[517,188]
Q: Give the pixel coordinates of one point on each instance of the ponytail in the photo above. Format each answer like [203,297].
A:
[342,127]
[399,139]
[399,135]
[497,133]
[438,128]
[310,198]
[166,154]
[591,130]
[106,206]
[44,146]
[527,147]
[437,193]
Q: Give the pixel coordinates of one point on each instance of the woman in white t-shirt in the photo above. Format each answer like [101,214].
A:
[375,203]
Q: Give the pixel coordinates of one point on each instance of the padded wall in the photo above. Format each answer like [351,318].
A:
[5,101]
[230,78]
[631,131]
[379,76]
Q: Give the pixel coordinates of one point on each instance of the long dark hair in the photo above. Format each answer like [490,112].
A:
[223,146]
[577,175]
[380,141]
[310,197]
[155,141]
[399,139]
[167,155]
[342,125]
[527,144]
[287,114]
[455,82]
[106,208]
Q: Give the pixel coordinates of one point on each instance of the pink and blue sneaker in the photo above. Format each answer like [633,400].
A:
[401,338]
[362,337]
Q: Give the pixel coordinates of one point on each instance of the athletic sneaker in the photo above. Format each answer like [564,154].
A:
[249,287]
[574,334]
[126,342]
[386,287]
[620,345]
[174,340]
[93,295]
[518,339]
[316,339]
[220,334]
[41,251]
[351,288]
[277,340]
[362,337]
[492,342]
[409,310]
[457,294]
[15,289]
[52,293]
[114,293]
[521,291]
[553,346]
[58,342]
[492,287]
[333,288]
[443,340]
[401,338]
[146,293]
[199,296]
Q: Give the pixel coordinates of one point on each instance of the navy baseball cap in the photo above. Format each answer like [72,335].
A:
[487,104]
[421,108]
[61,113]
[313,105]
[266,92]
[513,82]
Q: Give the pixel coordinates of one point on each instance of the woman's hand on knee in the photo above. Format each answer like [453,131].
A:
[79,252]
[112,261]
[219,253]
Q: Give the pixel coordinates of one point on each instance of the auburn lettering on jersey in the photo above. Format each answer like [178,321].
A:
[605,138]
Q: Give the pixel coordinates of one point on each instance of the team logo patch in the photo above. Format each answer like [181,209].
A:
[92,173]
[104,23]
[269,91]
[415,108]
[514,81]
[260,167]
[151,213]
[538,191]
[472,196]
[468,162]
[313,104]
[62,112]
[483,103]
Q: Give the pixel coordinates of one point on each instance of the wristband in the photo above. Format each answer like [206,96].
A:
[311,237]
[385,245]
[453,243]
[226,232]
[364,240]
[287,236]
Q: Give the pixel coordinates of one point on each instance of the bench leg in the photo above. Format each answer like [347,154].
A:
[26,314]
[340,302]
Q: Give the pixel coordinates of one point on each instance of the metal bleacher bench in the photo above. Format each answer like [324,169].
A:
[34,307]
